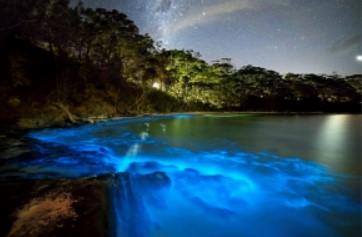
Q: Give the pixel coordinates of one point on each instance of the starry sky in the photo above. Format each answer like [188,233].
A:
[300,36]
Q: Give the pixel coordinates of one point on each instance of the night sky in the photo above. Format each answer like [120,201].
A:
[317,36]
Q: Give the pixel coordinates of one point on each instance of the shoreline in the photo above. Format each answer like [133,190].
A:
[9,127]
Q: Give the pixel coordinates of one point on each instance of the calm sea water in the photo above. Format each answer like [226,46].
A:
[214,174]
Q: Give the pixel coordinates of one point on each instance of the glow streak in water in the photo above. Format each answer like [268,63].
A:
[172,191]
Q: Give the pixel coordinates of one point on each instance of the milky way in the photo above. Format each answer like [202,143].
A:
[285,35]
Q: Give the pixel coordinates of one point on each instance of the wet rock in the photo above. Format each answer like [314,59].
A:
[155,180]
[54,208]
[42,215]
[13,146]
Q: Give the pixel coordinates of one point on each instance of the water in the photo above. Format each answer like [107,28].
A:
[214,174]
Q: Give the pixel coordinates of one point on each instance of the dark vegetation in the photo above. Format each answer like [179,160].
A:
[61,64]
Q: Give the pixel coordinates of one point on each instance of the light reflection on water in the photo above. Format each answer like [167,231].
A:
[334,136]
[209,175]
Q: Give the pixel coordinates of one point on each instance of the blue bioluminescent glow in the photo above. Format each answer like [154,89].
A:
[159,189]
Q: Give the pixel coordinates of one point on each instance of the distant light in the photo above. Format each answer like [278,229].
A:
[359,58]
[156,85]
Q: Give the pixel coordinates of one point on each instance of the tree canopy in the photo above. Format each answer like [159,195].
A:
[107,50]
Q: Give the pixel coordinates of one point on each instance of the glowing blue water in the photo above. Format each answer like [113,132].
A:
[163,187]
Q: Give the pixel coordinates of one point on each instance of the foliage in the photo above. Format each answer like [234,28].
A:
[97,62]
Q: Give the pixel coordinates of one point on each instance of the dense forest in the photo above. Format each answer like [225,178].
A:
[62,64]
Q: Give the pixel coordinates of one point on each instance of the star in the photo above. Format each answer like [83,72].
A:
[323,35]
